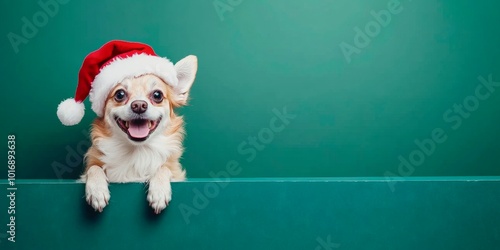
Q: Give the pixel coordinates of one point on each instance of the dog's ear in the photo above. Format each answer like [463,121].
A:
[186,72]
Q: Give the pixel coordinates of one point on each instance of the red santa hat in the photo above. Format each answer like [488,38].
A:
[104,68]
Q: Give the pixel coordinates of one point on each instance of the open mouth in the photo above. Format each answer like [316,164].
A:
[138,129]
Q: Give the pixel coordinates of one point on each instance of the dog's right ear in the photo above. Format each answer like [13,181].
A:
[186,72]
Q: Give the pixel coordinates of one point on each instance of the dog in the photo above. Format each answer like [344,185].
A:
[139,137]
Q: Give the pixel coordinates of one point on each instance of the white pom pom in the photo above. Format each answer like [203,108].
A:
[70,112]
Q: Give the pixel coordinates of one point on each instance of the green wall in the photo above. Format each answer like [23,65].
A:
[352,116]
[362,213]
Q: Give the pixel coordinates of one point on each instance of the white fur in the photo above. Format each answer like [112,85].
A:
[70,112]
[186,72]
[135,163]
[128,161]
[121,68]
[96,188]
[160,191]
[125,160]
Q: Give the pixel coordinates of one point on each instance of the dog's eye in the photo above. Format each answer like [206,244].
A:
[157,96]
[120,95]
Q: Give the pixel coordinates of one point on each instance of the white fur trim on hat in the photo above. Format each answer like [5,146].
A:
[70,112]
[122,68]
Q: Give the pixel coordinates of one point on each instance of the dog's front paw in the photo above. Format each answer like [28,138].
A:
[159,195]
[96,189]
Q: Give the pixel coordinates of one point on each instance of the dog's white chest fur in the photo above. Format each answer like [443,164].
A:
[124,162]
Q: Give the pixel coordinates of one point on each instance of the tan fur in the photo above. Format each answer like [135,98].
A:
[124,151]
[176,126]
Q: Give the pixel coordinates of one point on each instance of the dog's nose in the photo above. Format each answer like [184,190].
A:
[139,107]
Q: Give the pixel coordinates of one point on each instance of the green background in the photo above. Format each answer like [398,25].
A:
[352,119]
[432,213]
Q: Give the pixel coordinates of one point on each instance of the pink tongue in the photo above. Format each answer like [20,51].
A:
[140,130]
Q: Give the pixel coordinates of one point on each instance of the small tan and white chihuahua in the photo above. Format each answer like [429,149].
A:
[139,137]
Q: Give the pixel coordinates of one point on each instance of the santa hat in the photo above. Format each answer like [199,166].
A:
[104,68]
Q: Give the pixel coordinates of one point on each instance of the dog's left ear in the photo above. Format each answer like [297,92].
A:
[186,72]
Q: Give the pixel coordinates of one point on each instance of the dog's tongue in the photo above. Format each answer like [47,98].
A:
[138,129]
